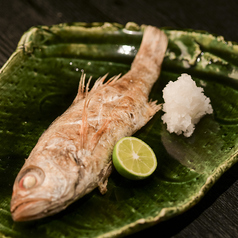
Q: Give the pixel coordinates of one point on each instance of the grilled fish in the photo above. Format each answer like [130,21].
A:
[73,156]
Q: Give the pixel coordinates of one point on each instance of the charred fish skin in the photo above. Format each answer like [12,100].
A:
[73,156]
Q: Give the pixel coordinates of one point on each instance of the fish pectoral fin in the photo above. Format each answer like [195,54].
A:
[102,184]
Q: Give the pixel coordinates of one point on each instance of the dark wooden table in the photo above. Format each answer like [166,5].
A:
[216,215]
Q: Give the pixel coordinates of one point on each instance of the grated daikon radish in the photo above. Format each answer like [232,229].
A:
[185,104]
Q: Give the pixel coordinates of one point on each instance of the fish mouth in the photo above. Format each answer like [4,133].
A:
[30,210]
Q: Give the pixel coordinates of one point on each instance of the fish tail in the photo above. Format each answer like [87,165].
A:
[149,58]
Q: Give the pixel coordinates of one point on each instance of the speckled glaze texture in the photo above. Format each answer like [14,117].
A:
[39,82]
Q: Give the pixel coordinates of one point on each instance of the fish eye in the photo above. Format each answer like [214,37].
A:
[31,178]
[28,181]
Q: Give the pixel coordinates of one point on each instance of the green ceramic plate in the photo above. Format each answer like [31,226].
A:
[39,82]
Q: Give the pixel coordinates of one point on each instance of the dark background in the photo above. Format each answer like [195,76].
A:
[216,215]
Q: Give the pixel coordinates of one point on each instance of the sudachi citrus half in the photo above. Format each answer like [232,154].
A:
[133,158]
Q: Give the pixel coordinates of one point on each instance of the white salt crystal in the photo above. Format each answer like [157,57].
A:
[185,104]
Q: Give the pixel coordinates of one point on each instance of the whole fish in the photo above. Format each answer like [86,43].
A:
[73,156]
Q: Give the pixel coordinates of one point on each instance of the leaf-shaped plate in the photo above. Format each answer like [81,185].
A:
[39,82]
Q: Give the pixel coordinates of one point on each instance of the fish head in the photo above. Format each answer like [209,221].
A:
[43,187]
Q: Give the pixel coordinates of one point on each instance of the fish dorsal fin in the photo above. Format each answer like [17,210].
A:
[97,85]
[80,94]
[100,82]
[84,125]
[83,93]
